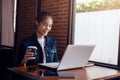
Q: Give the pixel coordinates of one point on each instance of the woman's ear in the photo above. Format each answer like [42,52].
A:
[36,23]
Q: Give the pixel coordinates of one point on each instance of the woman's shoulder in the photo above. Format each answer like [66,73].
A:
[29,40]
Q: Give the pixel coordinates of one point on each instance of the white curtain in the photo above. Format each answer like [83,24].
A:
[7,37]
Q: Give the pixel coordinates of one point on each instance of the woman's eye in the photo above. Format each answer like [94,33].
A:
[45,24]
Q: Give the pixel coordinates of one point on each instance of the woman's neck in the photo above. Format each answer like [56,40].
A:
[39,35]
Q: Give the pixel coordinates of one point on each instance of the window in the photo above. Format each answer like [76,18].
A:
[8,22]
[97,23]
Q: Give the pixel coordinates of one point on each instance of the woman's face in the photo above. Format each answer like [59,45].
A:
[44,26]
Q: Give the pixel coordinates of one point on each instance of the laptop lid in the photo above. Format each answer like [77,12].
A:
[75,56]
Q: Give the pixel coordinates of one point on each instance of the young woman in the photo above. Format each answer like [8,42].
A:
[46,45]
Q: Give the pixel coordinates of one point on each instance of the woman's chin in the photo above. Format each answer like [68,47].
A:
[45,34]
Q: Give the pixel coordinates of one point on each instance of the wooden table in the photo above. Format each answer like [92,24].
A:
[86,73]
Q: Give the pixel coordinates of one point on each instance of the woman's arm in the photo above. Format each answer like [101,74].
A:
[20,55]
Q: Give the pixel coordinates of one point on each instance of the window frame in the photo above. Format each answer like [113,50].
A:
[0,19]
[71,30]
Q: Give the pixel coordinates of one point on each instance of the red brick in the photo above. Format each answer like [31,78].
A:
[58,8]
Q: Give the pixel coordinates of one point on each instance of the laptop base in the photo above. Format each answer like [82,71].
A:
[47,68]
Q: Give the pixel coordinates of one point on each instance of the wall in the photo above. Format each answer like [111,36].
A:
[27,12]
[60,10]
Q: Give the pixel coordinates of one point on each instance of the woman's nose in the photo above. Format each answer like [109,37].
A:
[48,27]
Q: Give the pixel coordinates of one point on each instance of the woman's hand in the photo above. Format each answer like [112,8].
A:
[28,56]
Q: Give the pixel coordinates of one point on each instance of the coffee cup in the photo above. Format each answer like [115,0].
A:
[32,49]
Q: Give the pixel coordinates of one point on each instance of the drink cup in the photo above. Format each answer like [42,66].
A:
[32,49]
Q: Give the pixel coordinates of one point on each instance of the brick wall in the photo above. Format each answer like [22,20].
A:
[60,10]
[27,13]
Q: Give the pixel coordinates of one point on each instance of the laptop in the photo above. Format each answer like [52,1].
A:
[75,56]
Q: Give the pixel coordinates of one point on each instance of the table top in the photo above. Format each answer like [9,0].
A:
[86,73]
